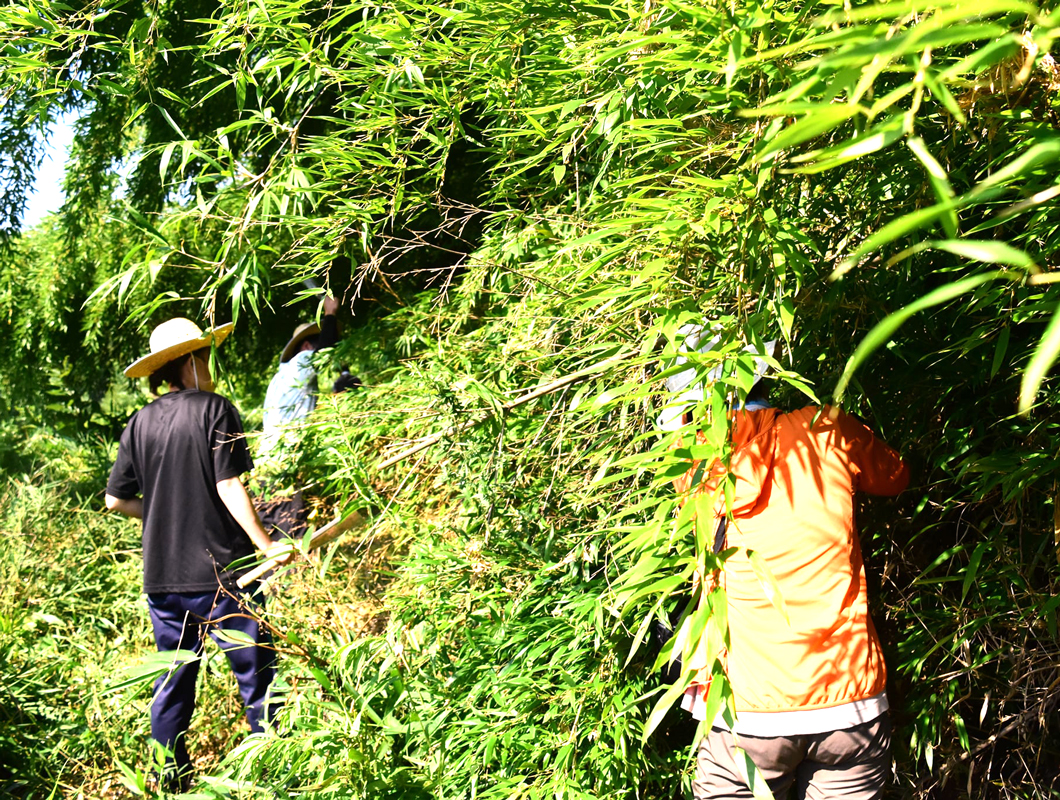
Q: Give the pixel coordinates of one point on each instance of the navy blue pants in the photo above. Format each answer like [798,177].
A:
[181,622]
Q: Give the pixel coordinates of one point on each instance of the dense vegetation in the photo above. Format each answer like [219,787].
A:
[504,195]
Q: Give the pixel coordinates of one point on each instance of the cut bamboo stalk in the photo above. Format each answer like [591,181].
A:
[319,538]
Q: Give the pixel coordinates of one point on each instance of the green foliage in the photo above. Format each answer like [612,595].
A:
[508,195]
[68,614]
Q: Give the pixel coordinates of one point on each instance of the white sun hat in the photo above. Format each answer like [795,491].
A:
[301,333]
[172,339]
[685,394]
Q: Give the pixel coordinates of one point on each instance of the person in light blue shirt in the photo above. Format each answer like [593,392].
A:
[290,398]
[292,392]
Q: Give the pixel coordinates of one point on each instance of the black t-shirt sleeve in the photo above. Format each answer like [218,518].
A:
[231,456]
[122,482]
[329,332]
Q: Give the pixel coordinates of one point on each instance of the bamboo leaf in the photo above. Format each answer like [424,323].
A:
[636,43]
[894,230]
[769,584]
[983,57]
[664,704]
[989,252]
[816,123]
[150,667]
[1045,355]
[999,350]
[172,123]
[941,93]
[940,182]
[886,328]
[698,626]
[879,137]
[641,633]
[972,571]
[751,775]
[163,163]
[1035,156]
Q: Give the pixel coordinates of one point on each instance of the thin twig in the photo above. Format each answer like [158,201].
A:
[549,388]
[1042,707]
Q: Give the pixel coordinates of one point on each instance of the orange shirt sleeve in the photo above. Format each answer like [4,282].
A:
[880,470]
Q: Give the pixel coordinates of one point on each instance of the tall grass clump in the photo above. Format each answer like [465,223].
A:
[68,616]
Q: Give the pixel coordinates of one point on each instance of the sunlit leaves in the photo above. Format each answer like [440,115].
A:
[887,327]
[564,182]
[1045,355]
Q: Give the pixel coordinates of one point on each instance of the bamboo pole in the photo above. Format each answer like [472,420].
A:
[319,538]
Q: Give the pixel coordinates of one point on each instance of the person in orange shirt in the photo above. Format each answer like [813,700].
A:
[809,681]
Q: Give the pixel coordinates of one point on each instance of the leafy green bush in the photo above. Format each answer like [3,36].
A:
[69,617]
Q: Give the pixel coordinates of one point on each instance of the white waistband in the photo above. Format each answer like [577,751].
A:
[791,723]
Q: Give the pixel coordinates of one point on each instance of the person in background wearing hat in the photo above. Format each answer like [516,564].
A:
[178,469]
[809,687]
[292,396]
[292,392]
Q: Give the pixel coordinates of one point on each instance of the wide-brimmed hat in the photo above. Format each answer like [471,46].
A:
[301,333]
[172,339]
[685,394]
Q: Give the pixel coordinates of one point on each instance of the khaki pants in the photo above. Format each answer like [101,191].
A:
[850,764]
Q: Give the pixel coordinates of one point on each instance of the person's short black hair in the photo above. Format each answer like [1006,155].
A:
[760,392]
[169,373]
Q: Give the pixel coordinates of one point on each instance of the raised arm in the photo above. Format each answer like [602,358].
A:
[329,325]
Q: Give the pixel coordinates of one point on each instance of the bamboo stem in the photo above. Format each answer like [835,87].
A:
[540,391]
[320,537]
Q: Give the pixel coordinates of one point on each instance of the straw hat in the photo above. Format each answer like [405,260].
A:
[687,395]
[301,333]
[171,340]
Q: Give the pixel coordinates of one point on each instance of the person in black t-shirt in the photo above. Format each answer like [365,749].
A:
[178,469]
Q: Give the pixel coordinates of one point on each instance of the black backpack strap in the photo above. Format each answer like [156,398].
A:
[719,534]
